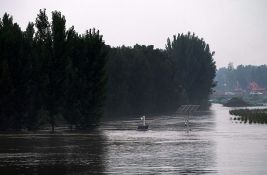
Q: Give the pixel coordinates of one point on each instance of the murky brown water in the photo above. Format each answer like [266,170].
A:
[215,145]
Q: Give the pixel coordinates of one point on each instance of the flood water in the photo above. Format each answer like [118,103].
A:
[215,145]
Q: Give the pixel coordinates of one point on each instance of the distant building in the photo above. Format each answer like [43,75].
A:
[254,88]
[238,90]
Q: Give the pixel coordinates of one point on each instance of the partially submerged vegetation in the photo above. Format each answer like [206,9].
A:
[142,79]
[250,115]
[50,74]
[49,71]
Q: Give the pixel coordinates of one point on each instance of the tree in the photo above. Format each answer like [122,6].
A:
[194,67]
[30,75]
[139,82]
[91,79]
[70,104]
[51,40]
[51,70]
[62,73]
[12,83]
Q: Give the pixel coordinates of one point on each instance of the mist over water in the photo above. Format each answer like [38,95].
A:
[215,145]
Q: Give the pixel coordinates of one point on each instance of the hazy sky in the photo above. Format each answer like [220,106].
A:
[235,29]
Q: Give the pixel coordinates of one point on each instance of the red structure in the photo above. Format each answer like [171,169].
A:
[255,88]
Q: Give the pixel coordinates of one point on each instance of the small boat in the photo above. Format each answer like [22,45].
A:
[144,126]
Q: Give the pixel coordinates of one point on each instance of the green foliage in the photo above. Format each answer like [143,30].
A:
[55,71]
[146,80]
[250,115]
[13,75]
[138,81]
[51,71]
[88,79]
[194,67]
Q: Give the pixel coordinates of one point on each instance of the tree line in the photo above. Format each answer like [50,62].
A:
[144,80]
[230,78]
[49,72]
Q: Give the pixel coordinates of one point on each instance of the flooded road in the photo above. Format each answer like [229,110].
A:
[215,145]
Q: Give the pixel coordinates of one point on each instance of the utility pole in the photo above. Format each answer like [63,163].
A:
[186,110]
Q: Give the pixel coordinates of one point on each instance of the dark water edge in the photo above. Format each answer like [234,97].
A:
[215,145]
[59,153]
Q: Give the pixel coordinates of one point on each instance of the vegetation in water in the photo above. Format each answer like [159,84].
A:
[142,79]
[49,74]
[51,70]
[250,115]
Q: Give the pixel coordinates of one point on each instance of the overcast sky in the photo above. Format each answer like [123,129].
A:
[235,29]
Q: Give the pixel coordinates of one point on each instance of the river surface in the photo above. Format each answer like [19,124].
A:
[215,145]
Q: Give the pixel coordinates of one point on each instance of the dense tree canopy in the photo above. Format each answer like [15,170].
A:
[146,80]
[138,81]
[49,73]
[194,67]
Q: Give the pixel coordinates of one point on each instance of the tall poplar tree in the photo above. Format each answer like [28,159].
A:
[193,67]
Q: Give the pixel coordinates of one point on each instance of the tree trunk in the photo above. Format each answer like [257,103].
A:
[53,123]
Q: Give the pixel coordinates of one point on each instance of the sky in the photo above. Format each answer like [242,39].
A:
[235,29]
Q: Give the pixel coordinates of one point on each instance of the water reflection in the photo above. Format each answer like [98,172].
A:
[63,153]
[215,145]
[165,149]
